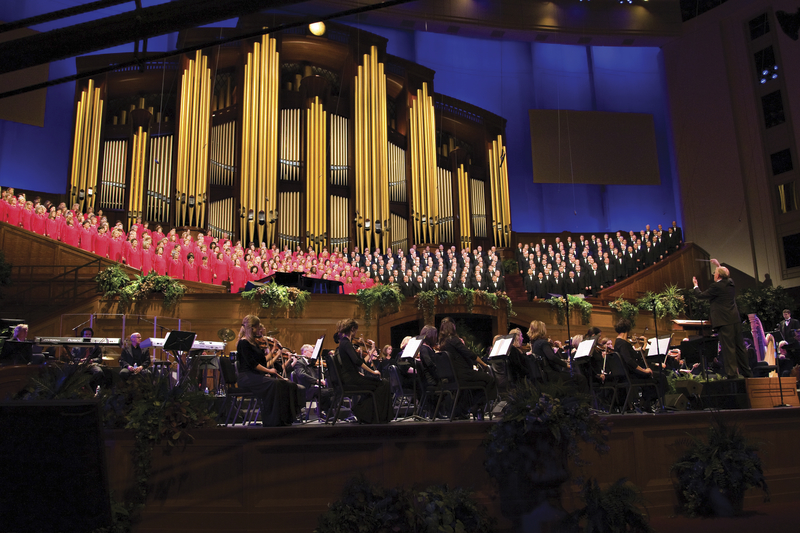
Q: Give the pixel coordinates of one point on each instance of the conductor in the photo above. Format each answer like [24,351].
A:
[725,319]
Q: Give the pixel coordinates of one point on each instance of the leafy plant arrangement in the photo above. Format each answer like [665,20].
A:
[172,289]
[713,474]
[528,450]
[767,302]
[625,309]
[511,266]
[560,305]
[672,379]
[366,507]
[111,281]
[615,509]
[157,413]
[668,303]
[114,282]
[380,300]
[59,381]
[277,297]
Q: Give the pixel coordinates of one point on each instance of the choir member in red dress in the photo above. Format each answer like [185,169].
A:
[26,220]
[115,245]
[86,237]
[39,220]
[133,257]
[52,226]
[206,272]
[147,255]
[238,276]
[159,262]
[14,212]
[190,269]
[70,233]
[221,270]
[175,266]
[102,241]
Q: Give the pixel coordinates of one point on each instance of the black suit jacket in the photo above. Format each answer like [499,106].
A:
[788,332]
[722,296]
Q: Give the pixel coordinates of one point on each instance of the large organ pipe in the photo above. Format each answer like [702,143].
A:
[316,199]
[258,184]
[464,208]
[372,200]
[501,213]
[86,147]
[423,167]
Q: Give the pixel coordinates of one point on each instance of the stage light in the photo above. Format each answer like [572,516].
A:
[764,72]
[317,28]
[763,80]
[774,76]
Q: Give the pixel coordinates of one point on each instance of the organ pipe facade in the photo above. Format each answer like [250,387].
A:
[292,139]
[195,117]
[371,165]
[86,148]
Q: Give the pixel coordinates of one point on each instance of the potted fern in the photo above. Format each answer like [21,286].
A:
[713,474]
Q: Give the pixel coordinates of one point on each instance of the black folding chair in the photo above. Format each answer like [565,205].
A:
[235,398]
[400,396]
[621,379]
[340,391]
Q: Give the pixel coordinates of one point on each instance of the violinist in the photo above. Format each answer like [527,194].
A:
[626,352]
[351,378]
[518,367]
[555,368]
[463,363]
[306,375]
[278,396]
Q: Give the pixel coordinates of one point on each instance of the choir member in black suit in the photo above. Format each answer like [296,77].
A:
[557,284]
[725,319]
[571,284]
[529,281]
[540,287]
[607,273]
[787,328]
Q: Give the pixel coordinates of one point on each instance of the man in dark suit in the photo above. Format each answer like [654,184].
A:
[133,359]
[787,328]
[725,319]
[529,281]
[540,287]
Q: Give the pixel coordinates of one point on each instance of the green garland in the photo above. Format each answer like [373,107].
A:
[380,300]
[426,300]
[560,305]
[114,282]
[277,297]
[625,309]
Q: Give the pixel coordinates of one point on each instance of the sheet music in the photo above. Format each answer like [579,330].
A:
[501,347]
[661,348]
[412,348]
[317,348]
[585,349]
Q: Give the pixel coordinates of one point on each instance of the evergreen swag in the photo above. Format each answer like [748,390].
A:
[575,302]
[625,309]
[380,300]
[113,281]
[277,297]
[426,300]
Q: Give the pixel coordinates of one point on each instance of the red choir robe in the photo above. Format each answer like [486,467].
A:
[206,274]
[147,260]
[238,279]
[102,243]
[70,235]
[221,271]
[160,265]
[39,223]
[87,239]
[115,249]
[133,257]
[175,268]
[53,228]
[191,271]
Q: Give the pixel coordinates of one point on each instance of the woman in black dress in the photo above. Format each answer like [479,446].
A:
[351,378]
[278,396]
[555,368]
[463,362]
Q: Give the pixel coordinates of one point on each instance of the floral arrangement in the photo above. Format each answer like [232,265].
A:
[277,297]
[560,304]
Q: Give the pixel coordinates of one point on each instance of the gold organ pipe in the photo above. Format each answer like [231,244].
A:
[95,150]
[76,147]
[86,141]
[245,169]
[259,165]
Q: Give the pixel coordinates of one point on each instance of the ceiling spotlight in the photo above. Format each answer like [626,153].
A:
[774,76]
[764,72]
[317,28]
[763,80]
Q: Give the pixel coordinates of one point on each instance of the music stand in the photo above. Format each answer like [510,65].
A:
[179,341]
[502,346]
[410,352]
[696,350]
